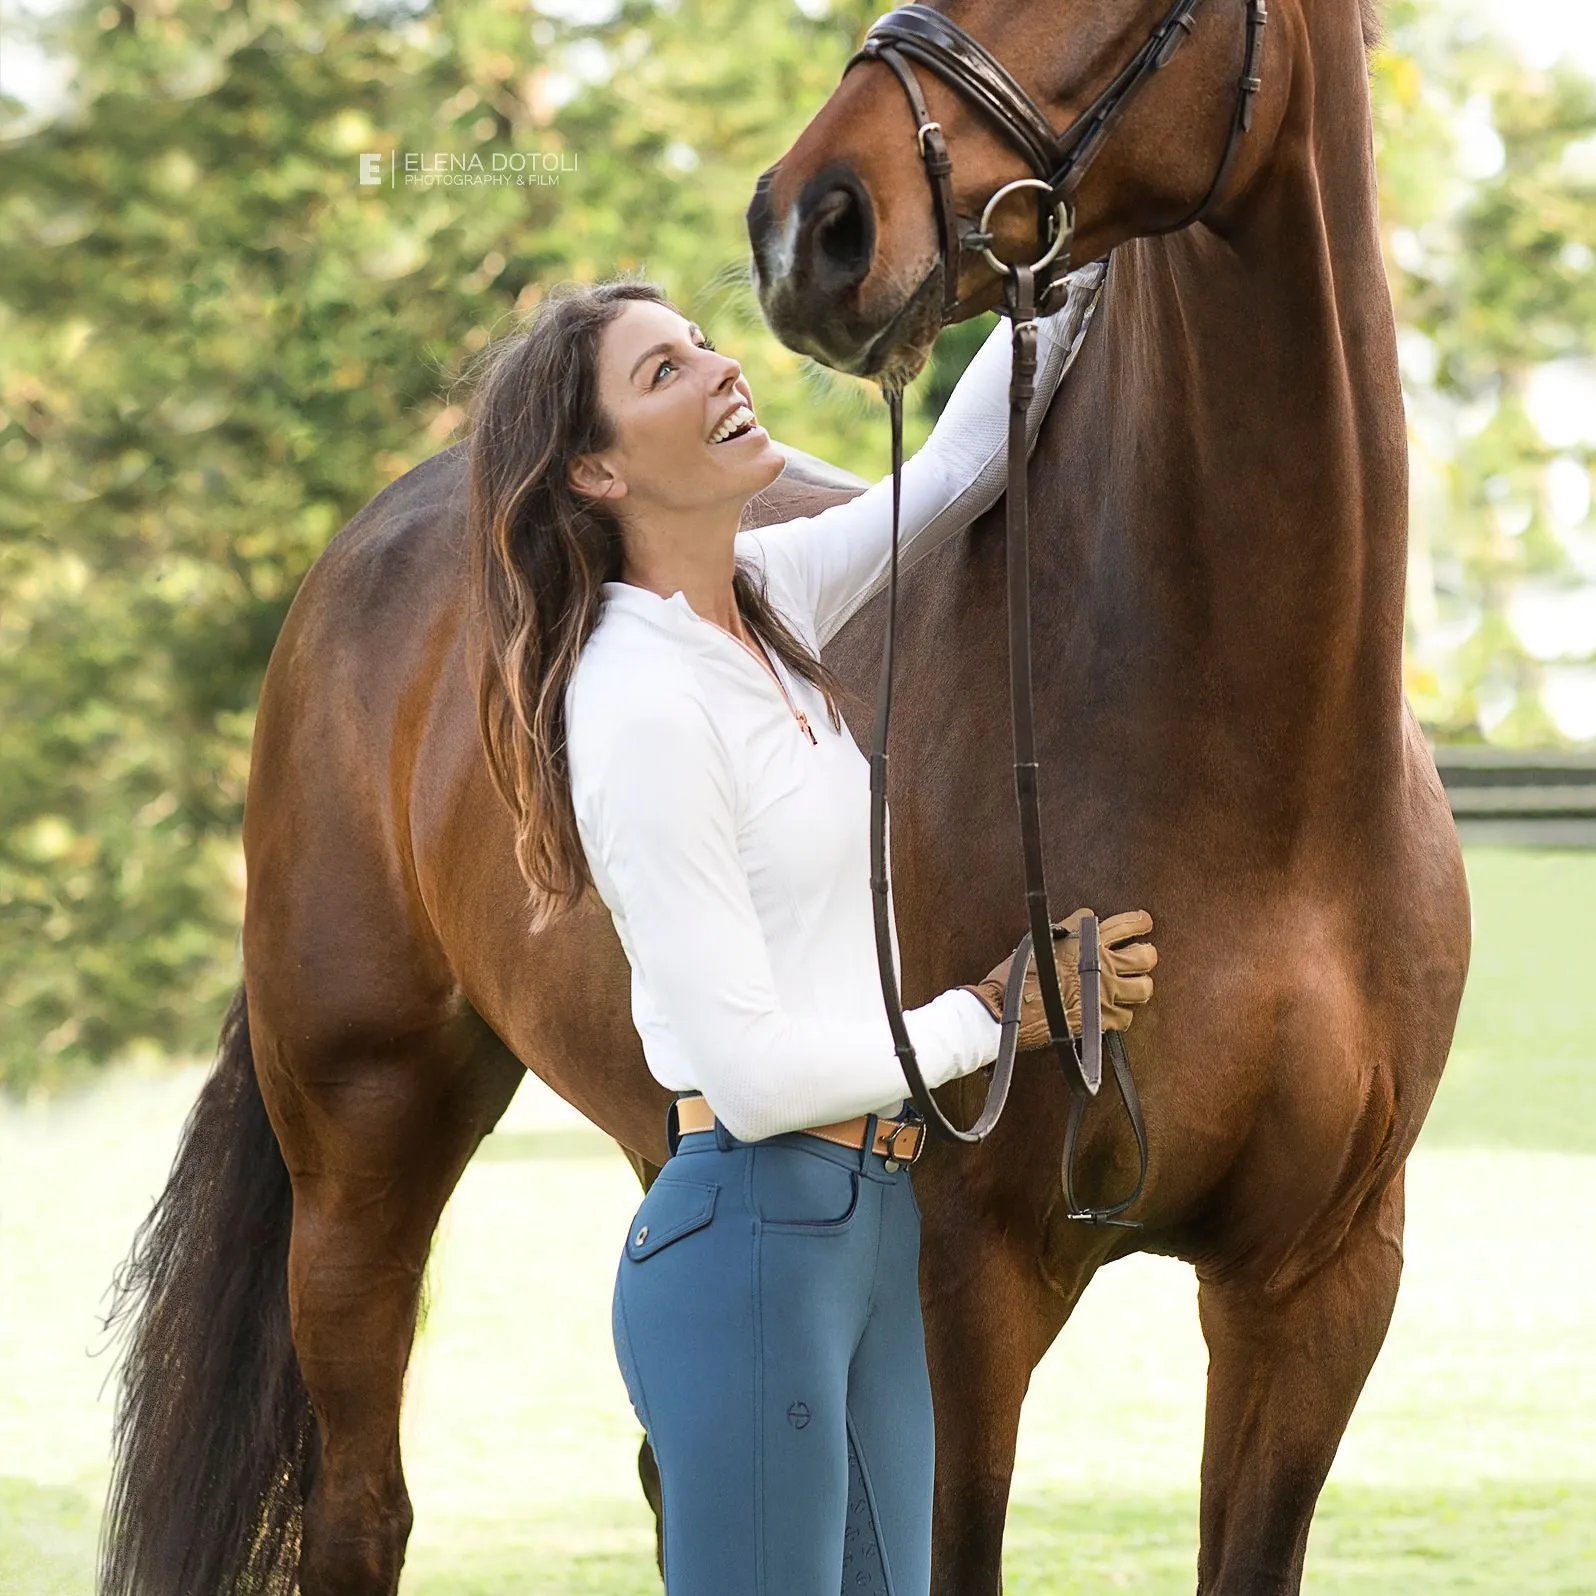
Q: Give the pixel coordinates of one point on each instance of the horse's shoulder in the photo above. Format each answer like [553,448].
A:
[808,485]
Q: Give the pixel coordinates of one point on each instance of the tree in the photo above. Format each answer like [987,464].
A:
[216,344]
[1489,186]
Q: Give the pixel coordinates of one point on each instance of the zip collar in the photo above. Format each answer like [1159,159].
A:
[644,601]
[673,615]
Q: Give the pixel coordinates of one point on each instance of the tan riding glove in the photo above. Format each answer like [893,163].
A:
[1125,979]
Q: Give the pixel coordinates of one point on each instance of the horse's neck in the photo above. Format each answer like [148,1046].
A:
[1253,400]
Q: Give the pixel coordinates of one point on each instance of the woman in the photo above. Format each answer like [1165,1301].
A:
[663,728]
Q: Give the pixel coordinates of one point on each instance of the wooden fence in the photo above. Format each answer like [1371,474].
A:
[1539,799]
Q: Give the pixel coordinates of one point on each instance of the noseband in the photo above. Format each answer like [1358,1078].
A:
[1060,160]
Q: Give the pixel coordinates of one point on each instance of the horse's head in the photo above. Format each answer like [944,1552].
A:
[1144,105]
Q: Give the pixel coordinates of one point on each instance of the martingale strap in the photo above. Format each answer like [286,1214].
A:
[1132,1102]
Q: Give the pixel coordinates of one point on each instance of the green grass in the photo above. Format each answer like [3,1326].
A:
[1470,1464]
[1541,1540]
[1511,1541]
[1523,1066]
[46,1538]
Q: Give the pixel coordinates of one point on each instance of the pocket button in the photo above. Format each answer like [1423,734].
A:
[675,1208]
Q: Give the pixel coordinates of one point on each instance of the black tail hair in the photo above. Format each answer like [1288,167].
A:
[214,1437]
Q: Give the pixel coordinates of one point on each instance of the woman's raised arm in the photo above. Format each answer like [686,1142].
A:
[833,561]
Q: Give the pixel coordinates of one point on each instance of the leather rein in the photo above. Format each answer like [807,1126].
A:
[918,33]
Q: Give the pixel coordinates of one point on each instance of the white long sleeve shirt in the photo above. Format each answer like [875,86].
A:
[733,853]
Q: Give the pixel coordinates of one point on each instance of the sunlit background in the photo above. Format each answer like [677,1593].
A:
[216,344]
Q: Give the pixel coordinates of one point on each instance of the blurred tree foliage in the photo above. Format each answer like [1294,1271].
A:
[216,344]
[1488,181]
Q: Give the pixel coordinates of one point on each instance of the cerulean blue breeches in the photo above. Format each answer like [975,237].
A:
[767,1325]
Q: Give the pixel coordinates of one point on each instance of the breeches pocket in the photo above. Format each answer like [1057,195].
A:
[794,1189]
[673,1210]
[673,1207]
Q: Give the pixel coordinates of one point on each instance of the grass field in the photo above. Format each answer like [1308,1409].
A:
[1470,1465]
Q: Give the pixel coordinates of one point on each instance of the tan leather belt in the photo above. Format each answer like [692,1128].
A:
[898,1141]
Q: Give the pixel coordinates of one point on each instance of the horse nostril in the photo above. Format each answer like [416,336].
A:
[838,235]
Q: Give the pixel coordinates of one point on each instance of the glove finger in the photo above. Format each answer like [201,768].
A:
[1070,925]
[1136,959]
[1132,989]
[1115,1018]
[1121,927]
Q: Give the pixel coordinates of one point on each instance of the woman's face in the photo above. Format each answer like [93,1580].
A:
[668,393]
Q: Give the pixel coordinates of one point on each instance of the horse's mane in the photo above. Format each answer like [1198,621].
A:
[1373,24]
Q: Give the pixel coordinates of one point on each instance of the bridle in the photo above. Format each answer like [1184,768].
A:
[1060,160]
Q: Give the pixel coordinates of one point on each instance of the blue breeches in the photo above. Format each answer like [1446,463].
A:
[767,1325]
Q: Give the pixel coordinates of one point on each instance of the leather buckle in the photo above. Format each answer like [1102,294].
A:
[894,1155]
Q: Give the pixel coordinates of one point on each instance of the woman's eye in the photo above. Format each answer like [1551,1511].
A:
[706,344]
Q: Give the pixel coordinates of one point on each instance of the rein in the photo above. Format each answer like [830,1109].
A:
[918,33]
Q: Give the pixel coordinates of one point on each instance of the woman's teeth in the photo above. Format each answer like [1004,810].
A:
[740,418]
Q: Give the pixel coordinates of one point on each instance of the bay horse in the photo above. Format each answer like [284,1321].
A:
[1220,497]
[1218,510]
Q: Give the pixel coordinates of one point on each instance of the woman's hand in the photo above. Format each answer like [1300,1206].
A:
[1126,982]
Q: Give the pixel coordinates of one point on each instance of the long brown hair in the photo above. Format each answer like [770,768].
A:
[539,551]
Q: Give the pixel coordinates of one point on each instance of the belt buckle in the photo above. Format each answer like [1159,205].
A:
[894,1157]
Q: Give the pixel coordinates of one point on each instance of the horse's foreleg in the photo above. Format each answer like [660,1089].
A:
[1283,1376]
[374,1145]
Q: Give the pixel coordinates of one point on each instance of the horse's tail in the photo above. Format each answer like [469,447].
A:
[214,1435]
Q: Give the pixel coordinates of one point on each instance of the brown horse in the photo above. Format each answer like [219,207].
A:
[1218,516]
[1219,500]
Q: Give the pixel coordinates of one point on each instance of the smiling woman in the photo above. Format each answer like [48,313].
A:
[646,663]
[564,446]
